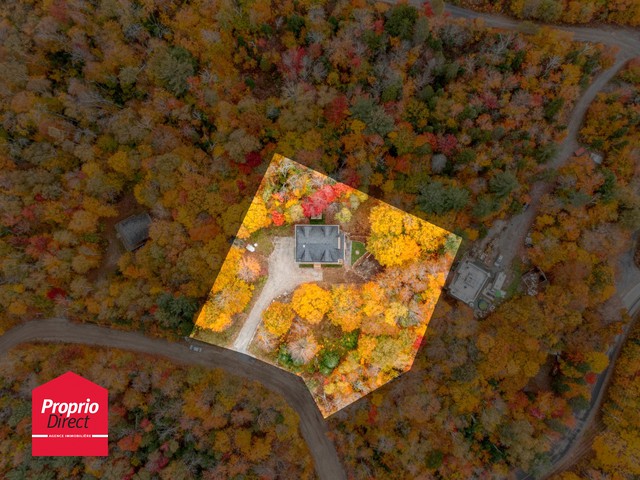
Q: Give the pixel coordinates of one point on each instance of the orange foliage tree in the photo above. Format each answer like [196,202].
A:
[311,302]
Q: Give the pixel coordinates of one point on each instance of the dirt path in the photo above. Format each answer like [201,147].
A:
[284,276]
[509,239]
[291,387]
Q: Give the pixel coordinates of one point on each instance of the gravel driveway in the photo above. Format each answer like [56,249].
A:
[284,276]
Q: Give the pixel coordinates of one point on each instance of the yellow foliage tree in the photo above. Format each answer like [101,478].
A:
[373,298]
[229,269]
[397,237]
[256,218]
[346,310]
[212,318]
[242,440]
[311,302]
[617,452]
[395,311]
[120,162]
[393,250]
[83,221]
[277,318]
[227,298]
[366,344]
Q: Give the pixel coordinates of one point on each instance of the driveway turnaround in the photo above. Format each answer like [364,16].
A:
[284,275]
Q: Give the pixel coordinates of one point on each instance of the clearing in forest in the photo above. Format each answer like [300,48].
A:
[328,283]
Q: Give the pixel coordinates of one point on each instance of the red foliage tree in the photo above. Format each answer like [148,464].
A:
[336,111]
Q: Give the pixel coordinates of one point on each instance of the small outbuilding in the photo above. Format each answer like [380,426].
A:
[596,157]
[319,244]
[133,231]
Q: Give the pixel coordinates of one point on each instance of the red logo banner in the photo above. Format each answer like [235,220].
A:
[69,417]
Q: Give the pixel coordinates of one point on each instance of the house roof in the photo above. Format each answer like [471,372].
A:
[468,282]
[319,244]
[134,230]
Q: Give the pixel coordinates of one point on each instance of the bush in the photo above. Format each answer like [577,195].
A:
[329,360]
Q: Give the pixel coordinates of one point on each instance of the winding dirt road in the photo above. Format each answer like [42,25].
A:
[509,238]
[291,387]
[628,42]
[627,39]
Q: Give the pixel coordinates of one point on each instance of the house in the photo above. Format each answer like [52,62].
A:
[134,230]
[469,280]
[319,244]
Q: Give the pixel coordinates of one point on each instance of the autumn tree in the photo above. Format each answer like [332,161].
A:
[397,237]
[278,317]
[311,302]
[303,349]
[249,269]
[256,218]
[172,67]
[346,311]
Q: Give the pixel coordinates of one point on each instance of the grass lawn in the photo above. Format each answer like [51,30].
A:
[264,236]
[357,250]
[514,286]
[222,339]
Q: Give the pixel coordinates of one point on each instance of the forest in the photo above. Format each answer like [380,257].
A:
[499,393]
[623,12]
[616,446]
[612,126]
[176,108]
[104,107]
[165,421]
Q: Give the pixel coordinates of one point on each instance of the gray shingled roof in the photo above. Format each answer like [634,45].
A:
[134,230]
[319,244]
